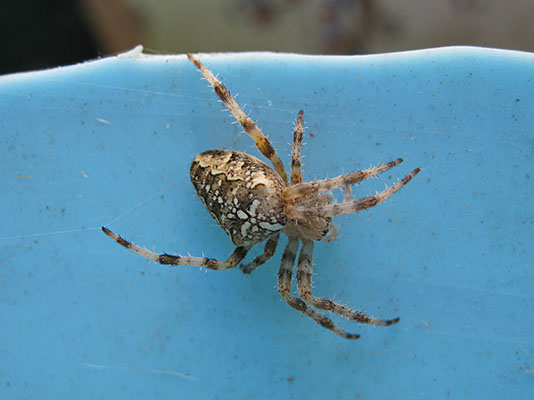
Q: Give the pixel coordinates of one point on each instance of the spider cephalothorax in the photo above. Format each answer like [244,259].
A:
[253,203]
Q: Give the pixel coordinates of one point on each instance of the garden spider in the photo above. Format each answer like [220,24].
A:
[253,203]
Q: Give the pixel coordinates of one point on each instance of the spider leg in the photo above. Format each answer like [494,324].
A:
[284,287]
[296,172]
[304,282]
[262,143]
[308,188]
[166,259]
[330,210]
[270,248]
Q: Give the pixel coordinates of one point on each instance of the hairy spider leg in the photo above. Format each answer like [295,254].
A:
[268,252]
[304,283]
[296,165]
[167,259]
[284,287]
[305,189]
[262,143]
[330,210]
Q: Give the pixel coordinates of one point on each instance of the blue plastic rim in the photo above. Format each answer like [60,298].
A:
[110,142]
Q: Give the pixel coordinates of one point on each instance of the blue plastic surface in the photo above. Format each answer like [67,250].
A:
[110,142]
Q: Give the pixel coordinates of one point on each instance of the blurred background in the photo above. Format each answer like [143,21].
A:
[41,34]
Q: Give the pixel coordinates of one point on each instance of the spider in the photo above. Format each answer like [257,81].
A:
[253,203]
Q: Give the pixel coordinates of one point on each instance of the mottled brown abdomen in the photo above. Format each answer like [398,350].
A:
[241,193]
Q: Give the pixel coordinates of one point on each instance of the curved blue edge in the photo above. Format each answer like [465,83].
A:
[110,142]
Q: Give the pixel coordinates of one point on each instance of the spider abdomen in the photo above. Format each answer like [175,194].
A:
[241,193]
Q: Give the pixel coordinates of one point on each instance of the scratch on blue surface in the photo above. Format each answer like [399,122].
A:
[146,370]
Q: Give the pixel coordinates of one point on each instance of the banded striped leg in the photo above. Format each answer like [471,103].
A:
[270,248]
[262,143]
[330,210]
[284,287]
[296,172]
[308,188]
[167,259]
[304,274]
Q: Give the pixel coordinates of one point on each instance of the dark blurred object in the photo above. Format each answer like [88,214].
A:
[347,25]
[337,26]
[264,12]
[43,34]
[116,25]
